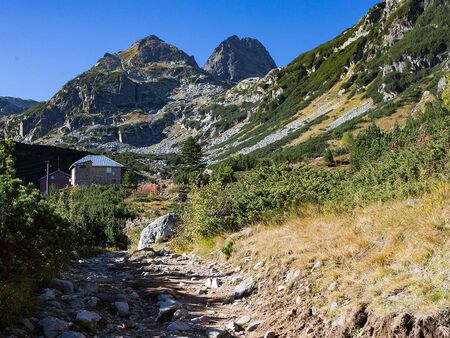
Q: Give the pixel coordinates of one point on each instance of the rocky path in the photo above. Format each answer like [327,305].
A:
[146,294]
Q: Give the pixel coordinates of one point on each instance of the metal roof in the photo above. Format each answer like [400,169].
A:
[98,161]
[54,172]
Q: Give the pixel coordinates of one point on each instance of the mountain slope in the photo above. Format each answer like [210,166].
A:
[369,73]
[150,97]
[14,105]
[238,59]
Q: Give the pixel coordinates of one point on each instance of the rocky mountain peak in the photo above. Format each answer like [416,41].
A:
[236,59]
[154,50]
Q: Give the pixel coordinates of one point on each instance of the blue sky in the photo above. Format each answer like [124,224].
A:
[45,43]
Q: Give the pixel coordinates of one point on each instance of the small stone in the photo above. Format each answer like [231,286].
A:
[317,264]
[180,314]
[333,306]
[212,283]
[332,286]
[244,289]
[88,317]
[216,333]
[298,300]
[258,266]
[243,320]
[253,325]
[65,286]
[47,294]
[270,334]
[313,311]
[123,309]
[52,326]
[198,320]
[92,302]
[202,291]
[167,308]
[178,326]
[234,327]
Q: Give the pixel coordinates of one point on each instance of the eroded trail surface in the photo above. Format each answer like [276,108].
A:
[146,294]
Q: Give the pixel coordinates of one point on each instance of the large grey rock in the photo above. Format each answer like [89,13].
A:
[244,289]
[237,59]
[160,229]
[52,326]
[65,286]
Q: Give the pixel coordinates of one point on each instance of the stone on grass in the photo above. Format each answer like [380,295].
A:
[88,318]
[159,230]
[65,286]
[52,326]
[244,288]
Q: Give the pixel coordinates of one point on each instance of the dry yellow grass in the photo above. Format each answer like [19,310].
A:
[393,256]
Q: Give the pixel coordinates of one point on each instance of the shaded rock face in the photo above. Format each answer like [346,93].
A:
[237,59]
[14,105]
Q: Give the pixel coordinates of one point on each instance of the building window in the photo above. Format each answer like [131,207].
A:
[52,177]
[109,170]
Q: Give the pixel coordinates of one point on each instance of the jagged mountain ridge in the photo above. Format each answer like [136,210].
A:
[380,70]
[128,98]
[14,105]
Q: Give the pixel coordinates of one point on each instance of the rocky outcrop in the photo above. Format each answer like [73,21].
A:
[238,59]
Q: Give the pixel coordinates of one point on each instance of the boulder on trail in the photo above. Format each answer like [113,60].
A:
[52,326]
[244,289]
[159,230]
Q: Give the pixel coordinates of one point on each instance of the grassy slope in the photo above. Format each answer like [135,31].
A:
[301,87]
[373,256]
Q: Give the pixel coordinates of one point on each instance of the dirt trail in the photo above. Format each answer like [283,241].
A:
[159,294]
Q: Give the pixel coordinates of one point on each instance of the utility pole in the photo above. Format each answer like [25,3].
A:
[48,173]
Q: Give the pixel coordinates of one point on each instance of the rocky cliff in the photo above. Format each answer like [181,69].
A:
[238,59]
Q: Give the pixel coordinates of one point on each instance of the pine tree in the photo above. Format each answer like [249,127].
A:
[191,166]
[328,158]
